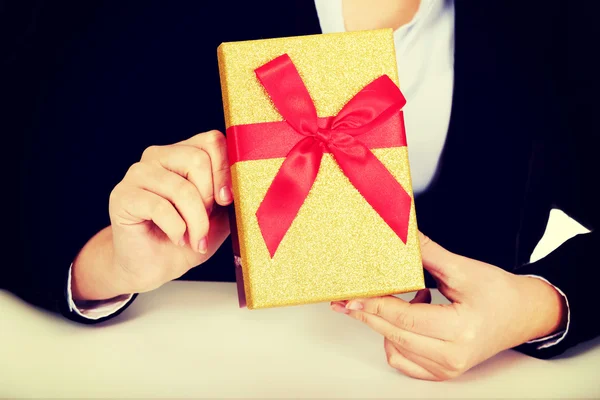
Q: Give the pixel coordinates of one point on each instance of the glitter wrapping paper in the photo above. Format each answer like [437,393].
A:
[337,247]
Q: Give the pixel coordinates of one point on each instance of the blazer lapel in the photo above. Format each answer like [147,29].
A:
[473,206]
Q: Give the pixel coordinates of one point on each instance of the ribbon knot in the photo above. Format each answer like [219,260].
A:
[324,136]
[373,115]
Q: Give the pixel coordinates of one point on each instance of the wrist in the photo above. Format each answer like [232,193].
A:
[545,309]
[94,273]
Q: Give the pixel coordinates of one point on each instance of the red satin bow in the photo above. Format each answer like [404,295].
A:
[372,112]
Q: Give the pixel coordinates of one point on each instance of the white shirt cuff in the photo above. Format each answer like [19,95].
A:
[555,338]
[95,309]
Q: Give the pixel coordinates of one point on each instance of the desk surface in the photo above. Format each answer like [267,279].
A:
[189,339]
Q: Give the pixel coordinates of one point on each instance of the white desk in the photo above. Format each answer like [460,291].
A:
[189,339]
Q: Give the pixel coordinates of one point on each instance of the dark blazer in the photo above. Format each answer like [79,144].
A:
[92,84]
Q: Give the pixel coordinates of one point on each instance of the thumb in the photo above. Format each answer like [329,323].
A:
[443,265]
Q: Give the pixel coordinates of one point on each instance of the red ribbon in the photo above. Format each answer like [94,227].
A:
[374,114]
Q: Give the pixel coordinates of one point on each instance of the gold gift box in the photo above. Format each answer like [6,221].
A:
[338,247]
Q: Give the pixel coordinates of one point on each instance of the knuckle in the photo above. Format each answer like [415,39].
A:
[362,317]
[208,199]
[122,198]
[199,159]
[378,307]
[215,138]
[135,171]
[405,321]
[115,194]
[115,199]
[160,207]
[118,196]
[222,166]
[397,337]
[185,191]
[150,152]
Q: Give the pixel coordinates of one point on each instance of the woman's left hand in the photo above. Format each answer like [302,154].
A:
[491,310]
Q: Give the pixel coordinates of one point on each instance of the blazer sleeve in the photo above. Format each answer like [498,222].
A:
[83,107]
[66,167]
[570,161]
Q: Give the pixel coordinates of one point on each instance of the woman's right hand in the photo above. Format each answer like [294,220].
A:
[164,220]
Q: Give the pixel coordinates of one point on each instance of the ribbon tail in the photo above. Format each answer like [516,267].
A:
[288,191]
[375,183]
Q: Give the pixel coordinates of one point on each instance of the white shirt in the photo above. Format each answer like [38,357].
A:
[425,55]
[425,59]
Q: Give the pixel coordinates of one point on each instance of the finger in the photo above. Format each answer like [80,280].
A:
[214,143]
[189,162]
[438,371]
[422,296]
[434,321]
[436,259]
[425,346]
[396,360]
[181,193]
[448,269]
[138,205]
[339,306]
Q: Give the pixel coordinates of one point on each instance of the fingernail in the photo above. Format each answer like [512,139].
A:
[225,194]
[354,305]
[203,245]
[181,242]
[339,309]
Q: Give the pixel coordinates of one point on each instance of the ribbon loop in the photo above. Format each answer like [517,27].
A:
[368,112]
[282,82]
